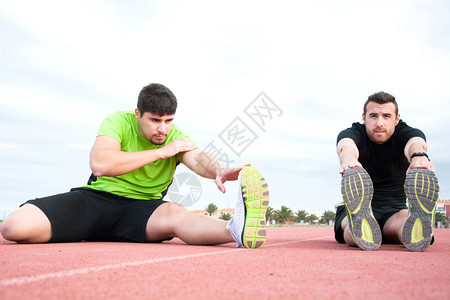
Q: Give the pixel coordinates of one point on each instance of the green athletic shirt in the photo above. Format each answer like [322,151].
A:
[145,183]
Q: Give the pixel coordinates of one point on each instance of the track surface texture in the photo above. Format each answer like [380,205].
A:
[294,263]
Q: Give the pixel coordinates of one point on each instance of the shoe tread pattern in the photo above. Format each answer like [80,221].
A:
[357,192]
[255,193]
[422,191]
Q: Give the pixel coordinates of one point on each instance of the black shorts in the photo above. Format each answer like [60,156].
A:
[381,214]
[91,215]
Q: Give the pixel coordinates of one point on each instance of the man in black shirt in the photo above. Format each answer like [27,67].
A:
[380,160]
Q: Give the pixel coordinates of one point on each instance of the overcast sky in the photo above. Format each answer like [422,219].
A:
[65,65]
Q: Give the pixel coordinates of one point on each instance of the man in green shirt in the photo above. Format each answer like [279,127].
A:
[133,161]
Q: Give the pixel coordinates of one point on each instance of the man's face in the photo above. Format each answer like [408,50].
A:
[154,127]
[380,121]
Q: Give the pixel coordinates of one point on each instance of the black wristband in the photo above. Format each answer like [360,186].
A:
[419,154]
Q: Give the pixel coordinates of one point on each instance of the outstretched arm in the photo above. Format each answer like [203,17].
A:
[414,145]
[207,166]
[107,159]
[348,154]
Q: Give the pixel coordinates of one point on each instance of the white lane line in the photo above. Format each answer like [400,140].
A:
[83,271]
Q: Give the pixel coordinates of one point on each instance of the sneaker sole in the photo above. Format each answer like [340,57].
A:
[255,193]
[357,192]
[422,191]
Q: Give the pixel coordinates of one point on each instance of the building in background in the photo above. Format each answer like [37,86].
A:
[443,206]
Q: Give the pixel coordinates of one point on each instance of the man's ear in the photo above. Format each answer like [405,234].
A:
[397,120]
[137,114]
[364,118]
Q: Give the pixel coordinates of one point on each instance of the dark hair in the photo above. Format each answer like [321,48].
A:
[156,99]
[381,98]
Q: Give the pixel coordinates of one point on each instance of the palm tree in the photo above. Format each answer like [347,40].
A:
[440,217]
[283,215]
[328,216]
[225,216]
[300,216]
[211,208]
[270,214]
[311,218]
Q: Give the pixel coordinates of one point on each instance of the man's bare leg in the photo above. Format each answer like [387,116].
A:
[347,233]
[393,228]
[173,220]
[28,224]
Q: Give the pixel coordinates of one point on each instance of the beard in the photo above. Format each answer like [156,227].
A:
[158,142]
[380,139]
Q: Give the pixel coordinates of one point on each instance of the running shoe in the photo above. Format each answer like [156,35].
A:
[422,191]
[357,192]
[248,225]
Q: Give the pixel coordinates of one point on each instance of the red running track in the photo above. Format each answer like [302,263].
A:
[295,263]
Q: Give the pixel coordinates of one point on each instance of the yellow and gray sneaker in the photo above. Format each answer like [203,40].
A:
[248,225]
[422,191]
[357,192]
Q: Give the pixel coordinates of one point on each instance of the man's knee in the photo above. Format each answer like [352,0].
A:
[5,230]
[170,213]
[12,229]
[164,221]
[28,224]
